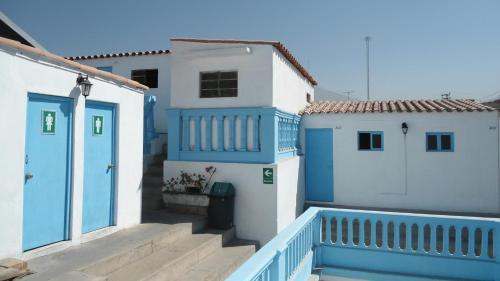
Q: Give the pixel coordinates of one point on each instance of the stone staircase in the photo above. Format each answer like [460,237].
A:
[166,246]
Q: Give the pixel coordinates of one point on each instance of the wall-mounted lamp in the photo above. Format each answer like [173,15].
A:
[84,83]
[404,128]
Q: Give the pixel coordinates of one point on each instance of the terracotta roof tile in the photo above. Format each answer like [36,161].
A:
[83,68]
[278,45]
[419,106]
[119,55]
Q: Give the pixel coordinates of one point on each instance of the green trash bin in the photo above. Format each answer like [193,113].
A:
[221,207]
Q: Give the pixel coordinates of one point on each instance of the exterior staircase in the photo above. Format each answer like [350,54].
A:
[166,246]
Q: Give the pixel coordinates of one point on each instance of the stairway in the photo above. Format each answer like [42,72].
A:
[152,183]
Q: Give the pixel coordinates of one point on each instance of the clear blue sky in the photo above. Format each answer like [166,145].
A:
[420,49]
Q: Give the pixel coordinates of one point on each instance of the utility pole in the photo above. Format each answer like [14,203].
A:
[348,93]
[367,40]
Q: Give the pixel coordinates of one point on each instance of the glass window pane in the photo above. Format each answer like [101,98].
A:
[376,141]
[209,85]
[445,142]
[209,93]
[229,75]
[432,142]
[209,76]
[363,141]
[228,93]
[228,84]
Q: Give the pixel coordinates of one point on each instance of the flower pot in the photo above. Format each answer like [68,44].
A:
[184,202]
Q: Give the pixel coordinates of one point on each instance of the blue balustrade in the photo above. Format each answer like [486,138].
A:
[333,240]
[149,123]
[245,135]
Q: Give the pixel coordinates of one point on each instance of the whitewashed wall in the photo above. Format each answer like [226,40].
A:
[21,74]
[261,210]
[254,73]
[290,88]
[466,180]
[123,66]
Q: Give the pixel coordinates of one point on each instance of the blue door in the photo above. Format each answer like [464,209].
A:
[319,165]
[47,170]
[99,166]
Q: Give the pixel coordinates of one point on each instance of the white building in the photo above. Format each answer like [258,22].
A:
[71,167]
[150,68]
[234,106]
[358,155]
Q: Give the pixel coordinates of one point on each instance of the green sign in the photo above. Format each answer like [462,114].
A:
[267,175]
[48,122]
[97,124]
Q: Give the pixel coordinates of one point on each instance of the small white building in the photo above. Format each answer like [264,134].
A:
[234,106]
[150,68]
[71,167]
[440,155]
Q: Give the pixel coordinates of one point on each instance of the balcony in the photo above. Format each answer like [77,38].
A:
[241,135]
[365,245]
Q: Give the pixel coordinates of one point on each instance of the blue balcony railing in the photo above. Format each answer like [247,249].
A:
[397,244]
[244,135]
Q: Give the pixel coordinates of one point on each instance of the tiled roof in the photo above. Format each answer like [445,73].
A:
[119,55]
[458,105]
[83,68]
[278,45]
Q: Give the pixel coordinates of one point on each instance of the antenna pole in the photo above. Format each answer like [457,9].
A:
[367,40]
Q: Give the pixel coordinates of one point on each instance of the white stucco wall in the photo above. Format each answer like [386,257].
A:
[466,180]
[261,210]
[20,74]
[123,66]
[290,88]
[254,73]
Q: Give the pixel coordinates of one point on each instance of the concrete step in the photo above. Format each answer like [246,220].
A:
[102,256]
[220,264]
[170,262]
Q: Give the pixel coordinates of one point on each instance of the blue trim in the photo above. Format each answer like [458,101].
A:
[106,68]
[372,133]
[275,134]
[439,141]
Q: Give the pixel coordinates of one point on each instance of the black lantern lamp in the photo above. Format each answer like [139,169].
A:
[85,84]
[404,128]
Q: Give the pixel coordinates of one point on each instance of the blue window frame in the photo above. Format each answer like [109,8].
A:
[371,141]
[440,142]
[105,68]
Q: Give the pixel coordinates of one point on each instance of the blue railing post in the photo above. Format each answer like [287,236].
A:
[317,240]
[496,250]
[174,126]
[269,132]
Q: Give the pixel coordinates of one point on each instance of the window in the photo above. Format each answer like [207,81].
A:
[105,68]
[218,84]
[440,142]
[308,97]
[148,77]
[371,141]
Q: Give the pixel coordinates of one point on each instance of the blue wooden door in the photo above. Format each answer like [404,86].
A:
[99,166]
[47,170]
[319,165]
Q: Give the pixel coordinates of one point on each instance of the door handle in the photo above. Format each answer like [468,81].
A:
[110,166]
[28,176]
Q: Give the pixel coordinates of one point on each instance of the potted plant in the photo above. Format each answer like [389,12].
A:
[188,193]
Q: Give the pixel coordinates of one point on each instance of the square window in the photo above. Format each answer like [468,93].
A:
[148,77]
[218,84]
[439,142]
